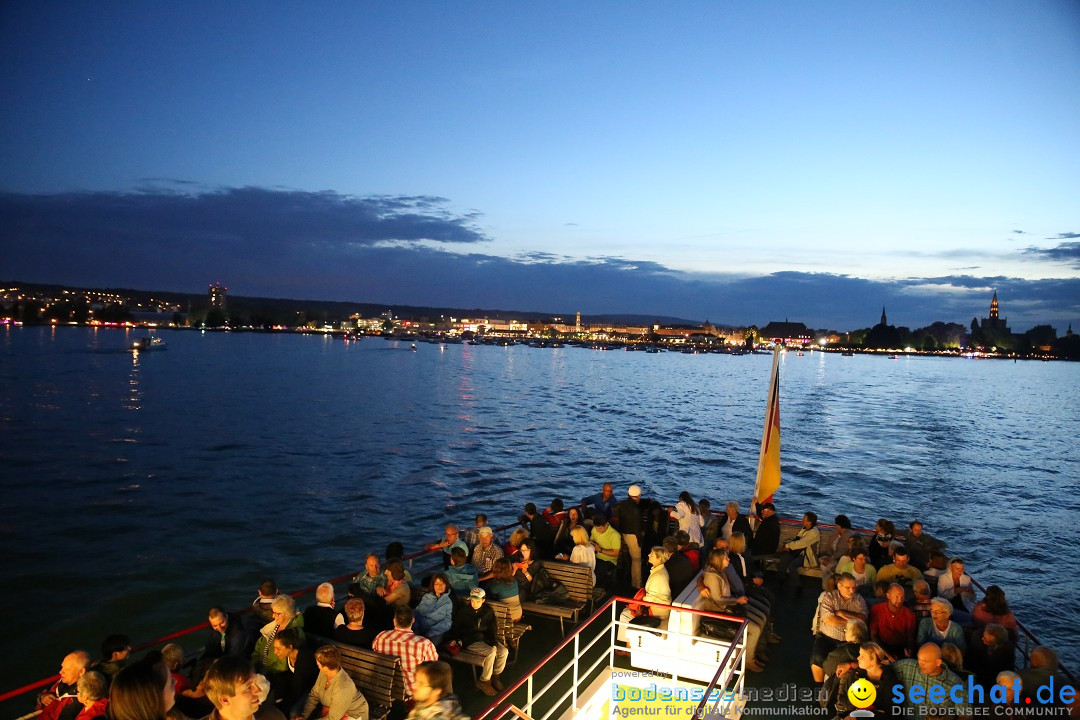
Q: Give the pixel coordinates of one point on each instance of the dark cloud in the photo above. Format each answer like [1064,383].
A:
[283,243]
[1066,252]
[1065,236]
[280,221]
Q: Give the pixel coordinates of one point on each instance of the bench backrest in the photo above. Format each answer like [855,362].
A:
[376,675]
[503,619]
[578,579]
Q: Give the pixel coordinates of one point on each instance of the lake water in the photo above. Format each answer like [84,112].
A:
[137,491]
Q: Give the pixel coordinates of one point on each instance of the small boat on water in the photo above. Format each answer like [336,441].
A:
[148,343]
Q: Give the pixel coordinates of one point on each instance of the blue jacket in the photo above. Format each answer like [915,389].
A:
[434,615]
[463,578]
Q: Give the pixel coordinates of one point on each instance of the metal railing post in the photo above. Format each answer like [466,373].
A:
[577,647]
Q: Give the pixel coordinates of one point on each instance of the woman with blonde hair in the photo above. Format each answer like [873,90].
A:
[657,589]
[874,666]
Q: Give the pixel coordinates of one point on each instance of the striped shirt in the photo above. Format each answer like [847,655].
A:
[411,648]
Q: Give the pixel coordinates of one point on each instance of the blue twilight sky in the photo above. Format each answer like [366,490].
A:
[737,161]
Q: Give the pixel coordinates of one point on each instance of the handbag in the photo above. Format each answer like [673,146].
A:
[636,608]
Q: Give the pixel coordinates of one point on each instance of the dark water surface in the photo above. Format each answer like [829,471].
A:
[138,491]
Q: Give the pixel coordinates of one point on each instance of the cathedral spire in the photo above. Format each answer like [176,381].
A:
[994,307]
[883,316]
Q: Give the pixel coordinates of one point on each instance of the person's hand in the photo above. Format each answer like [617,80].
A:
[743,600]
[381,592]
[47,699]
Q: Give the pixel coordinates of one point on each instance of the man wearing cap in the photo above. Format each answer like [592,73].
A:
[627,517]
[474,628]
[767,537]
[486,552]
[410,648]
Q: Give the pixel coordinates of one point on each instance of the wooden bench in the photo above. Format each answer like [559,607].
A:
[509,632]
[377,676]
[578,580]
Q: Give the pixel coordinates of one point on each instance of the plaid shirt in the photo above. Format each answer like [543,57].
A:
[410,648]
[483,558]
[831,604]
[368,583]
[908,673]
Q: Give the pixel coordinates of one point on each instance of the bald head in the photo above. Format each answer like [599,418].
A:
[74,666]
[929,658]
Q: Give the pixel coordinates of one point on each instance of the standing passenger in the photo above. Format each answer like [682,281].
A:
[632,528]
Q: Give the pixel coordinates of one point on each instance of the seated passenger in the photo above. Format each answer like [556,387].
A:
[530,579]
[732,522]
[607,544]
[268,590]
[766,540]
[114,654]
[512,545]
[679,569]
[938,628]
[91,696]
[353,632]
[955,585]
[837,607]
[228,635]
[372,578]
[1044,669]
[503,586]
[936,567]
[462,574]
[602,503]
[475,629]
[994,608]
[433,693]
[710,528]
[855,634]
[801,549]
[59,701]
[319,618]
[471,535]
[836,547]
[141,691]
[920,602]
[954,660]
[410,648]
[173,657]
[396,551]
[873,666]
[856,564]
[435,610]
[925,672]
[540,530]
[232,687]
[921,545]
[717,596]
[752,580]
[450,540]
[285,616]
[656,589]
[564,542]
[900,570]
[991,652]
[292,686]
[334,690]
[554,513]
[879,544]
[487,551]
[397,591]
[582,553]
[892,624]
[687,548]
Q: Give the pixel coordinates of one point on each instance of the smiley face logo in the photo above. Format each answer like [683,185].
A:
[862,694]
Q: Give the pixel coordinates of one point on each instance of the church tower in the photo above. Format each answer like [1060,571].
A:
[883,323]
[994,307]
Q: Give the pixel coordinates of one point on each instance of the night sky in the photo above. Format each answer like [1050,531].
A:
[733,161]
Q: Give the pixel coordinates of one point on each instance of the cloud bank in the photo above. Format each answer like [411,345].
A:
[415,250]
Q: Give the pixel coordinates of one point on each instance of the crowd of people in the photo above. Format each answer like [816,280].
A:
[892,610]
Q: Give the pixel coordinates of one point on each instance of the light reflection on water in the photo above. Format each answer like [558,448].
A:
[140,490]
